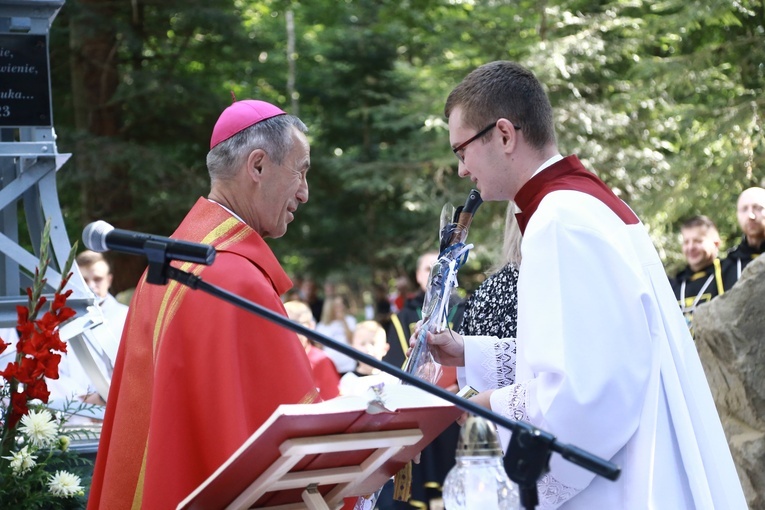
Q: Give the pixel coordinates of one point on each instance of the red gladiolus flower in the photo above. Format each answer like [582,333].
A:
[37,389]
[23,315]
[59,301]
[10,371]
[40,348]
[18,408]
[35,344]
[40,303]
[49,363]
[65,314]
[30,369]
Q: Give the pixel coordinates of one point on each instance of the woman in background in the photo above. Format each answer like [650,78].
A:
[492,310]
[338,324]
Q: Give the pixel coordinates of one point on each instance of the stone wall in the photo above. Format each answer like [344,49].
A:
[730,337]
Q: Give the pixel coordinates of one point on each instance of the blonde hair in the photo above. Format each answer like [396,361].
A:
[300,312]
[370,336]
[373,327]
[328,310]
[511,244]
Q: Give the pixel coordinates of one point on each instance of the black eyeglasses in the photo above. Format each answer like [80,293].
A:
[459,150]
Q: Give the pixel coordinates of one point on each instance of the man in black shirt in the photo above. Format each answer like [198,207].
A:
[750,210]
[702,279]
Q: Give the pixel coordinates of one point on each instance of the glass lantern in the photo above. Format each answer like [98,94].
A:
[478,479]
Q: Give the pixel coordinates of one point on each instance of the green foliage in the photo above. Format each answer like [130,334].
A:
[663,100]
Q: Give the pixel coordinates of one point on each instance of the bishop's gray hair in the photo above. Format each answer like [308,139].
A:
[273,135]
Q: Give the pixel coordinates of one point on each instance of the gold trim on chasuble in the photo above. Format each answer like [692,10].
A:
[170,302]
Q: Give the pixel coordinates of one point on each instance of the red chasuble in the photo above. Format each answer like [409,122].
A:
[196,376]
[567,174]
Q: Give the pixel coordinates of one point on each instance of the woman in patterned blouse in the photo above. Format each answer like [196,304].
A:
[492,310]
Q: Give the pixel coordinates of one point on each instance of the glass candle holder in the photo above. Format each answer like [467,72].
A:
[478,480]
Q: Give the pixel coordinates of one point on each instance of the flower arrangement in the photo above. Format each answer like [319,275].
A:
[34,449]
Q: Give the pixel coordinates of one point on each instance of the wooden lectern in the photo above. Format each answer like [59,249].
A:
[311,456]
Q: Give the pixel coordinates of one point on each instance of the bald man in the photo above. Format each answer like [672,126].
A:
[750,211]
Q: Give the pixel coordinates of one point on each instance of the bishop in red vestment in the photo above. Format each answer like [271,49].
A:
[196,376]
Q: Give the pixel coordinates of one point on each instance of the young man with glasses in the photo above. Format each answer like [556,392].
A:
[604,358]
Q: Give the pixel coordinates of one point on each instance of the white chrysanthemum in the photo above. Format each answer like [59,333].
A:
[64,484]
[22,461]
[39,427]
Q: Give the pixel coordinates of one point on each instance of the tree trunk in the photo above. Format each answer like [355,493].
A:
[99,160]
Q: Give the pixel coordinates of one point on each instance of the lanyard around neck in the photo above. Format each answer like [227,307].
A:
[720,289]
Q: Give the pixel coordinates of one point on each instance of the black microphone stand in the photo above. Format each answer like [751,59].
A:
[530,448]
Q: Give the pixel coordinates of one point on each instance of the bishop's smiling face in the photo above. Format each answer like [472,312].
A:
[283,188]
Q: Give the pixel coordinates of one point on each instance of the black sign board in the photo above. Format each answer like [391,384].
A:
[24,82]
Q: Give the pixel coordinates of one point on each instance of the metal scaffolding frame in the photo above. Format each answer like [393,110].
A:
[29,162]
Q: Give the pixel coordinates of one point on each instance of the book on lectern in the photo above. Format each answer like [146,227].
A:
[344,447]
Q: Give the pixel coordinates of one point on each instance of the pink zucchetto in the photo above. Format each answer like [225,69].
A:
[241,115]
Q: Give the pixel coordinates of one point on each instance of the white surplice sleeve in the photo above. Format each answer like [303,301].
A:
[490,364]
[510,401]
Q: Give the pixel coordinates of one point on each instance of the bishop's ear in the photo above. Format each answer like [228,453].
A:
[255,162]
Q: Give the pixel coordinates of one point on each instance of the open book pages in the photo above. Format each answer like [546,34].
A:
[388,392]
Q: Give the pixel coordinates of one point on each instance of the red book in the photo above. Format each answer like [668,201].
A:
[344,447]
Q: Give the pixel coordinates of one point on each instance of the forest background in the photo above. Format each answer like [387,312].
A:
[663,100]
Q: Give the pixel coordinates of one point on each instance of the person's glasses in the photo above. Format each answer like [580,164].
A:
[459,150]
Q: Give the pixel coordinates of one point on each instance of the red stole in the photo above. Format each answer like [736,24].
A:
[567,174]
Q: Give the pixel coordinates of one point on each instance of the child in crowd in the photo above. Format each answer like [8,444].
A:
[326,377]
[368,337]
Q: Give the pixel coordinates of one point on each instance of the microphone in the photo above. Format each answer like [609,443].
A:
[100,236]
